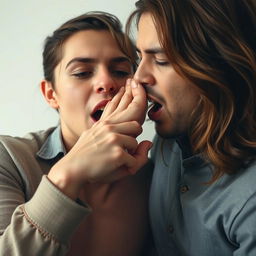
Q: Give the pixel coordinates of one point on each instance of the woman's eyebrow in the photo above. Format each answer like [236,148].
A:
[81,59]
[120,59]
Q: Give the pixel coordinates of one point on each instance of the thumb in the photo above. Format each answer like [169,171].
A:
[141,155]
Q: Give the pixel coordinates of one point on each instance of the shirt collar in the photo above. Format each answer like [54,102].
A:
[189,159]
[53,146]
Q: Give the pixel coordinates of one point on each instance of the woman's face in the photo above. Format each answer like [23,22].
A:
[92,70]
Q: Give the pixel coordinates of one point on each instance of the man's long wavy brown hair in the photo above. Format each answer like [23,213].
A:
[212,44]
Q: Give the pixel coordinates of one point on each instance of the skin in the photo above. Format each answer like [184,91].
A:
[102,156]
[87,74]
[162,83]
[79,87]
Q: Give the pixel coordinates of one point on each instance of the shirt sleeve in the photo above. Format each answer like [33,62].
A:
[243,229]
[41,226]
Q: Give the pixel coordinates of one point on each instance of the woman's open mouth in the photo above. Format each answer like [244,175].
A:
[98,110]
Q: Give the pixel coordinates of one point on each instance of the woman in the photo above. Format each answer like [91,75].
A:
[69,190]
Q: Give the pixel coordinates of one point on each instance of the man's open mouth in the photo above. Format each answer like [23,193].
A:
[153,108]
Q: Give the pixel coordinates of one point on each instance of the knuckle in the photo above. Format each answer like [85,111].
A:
[136,105]
[104,122]
[83,134]
[113,138]
[137,127]
[135,144]
[136,124]
[128,96]
[117,152]
[108,128]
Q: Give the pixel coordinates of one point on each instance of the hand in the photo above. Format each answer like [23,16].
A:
[108,151]
[102,154]
[128,105]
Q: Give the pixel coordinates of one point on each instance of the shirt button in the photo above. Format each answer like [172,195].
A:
[170,229]
[184,189]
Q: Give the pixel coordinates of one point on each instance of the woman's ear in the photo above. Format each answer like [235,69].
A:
[49,93]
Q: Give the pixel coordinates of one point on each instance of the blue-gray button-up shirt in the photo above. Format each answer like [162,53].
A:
[53,146]
[192,218]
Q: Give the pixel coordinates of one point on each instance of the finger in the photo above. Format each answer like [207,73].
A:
[141,155]
[132,128]
[139,102]
[128,143]
[129,161]
[131,113]
[127,97]
[139,94]
[136,109]
[112,105]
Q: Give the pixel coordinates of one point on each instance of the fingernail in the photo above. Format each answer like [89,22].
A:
[134,84]
[128,81]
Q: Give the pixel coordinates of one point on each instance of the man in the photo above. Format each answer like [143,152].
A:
[197,65]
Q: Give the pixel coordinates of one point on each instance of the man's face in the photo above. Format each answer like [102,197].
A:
[91,72]
[173,98]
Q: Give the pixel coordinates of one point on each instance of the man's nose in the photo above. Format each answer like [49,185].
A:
[144,75]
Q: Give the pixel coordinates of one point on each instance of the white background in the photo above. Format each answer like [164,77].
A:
[23,27]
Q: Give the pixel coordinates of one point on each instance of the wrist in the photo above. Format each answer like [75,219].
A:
[65,183]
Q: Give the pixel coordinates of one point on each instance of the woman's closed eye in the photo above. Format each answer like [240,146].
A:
[120,73]
[82,74]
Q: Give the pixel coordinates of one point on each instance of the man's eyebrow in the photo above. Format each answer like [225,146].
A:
[80,59]
[154,50]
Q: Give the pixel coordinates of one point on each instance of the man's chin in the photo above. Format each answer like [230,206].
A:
[166,133]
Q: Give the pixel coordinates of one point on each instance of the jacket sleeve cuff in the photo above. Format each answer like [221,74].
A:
[53,212]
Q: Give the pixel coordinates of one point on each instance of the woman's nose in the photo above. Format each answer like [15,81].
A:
[104,82]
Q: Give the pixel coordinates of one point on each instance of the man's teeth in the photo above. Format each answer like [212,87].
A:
[150,104]
[154,106]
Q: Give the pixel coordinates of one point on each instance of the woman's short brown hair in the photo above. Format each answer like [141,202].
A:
[52,52]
